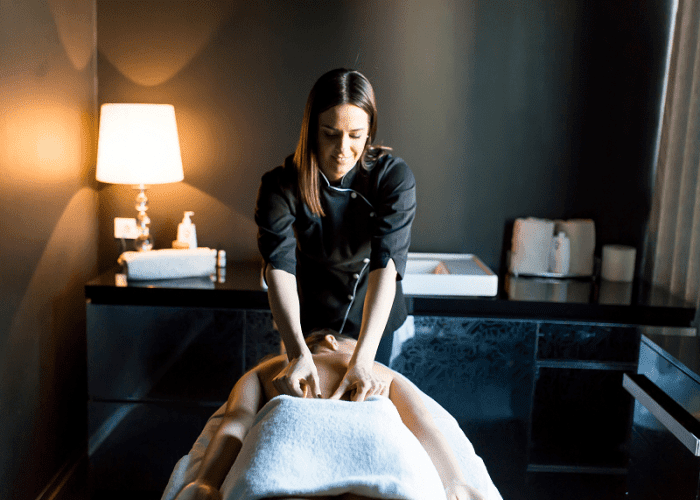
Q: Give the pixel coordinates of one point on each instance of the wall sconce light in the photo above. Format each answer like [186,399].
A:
[138,145]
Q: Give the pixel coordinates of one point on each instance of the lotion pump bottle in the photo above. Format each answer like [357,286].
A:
[560,256]
[186,232]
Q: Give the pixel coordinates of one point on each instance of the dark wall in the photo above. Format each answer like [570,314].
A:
[48,209]
[502,108]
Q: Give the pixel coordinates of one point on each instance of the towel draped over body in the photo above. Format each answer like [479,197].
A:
[318,446]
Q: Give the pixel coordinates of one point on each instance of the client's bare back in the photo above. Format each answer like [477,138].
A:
[331,369]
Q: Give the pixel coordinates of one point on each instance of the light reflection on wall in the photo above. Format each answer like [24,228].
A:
[48,207]
[149,42]
[201,138]
[41,363]
[75,23]
[44,142]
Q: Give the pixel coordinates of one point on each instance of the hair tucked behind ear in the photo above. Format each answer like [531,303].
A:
[339,86]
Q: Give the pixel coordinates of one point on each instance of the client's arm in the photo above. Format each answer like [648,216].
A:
[242,405]
[420,422]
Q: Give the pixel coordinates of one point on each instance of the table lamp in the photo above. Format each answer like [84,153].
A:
[138,145]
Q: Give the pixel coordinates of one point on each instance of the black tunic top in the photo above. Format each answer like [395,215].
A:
[368,221]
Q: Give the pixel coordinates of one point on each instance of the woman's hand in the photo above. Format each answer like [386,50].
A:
[461,491]
[298,376]
[362,382]
[199,491]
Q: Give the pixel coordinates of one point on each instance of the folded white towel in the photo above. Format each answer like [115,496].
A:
[319,446]
[532,238]
[168,263]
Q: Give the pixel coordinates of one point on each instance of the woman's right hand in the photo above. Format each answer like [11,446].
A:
[300,374]
[199,491]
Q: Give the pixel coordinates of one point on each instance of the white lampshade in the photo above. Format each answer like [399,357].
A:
[138,144]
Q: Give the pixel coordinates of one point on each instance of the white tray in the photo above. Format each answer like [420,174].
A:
[468,276]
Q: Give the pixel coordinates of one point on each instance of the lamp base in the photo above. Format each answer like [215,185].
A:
[144,242]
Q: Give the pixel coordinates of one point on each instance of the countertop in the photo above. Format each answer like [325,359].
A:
[239,286]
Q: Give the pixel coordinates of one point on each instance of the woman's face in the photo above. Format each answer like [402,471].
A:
[342,135]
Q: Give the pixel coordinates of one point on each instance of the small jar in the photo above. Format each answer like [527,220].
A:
[221,258]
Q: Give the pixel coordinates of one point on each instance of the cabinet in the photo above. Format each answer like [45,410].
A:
[549,392]
[581,414]
[155,375]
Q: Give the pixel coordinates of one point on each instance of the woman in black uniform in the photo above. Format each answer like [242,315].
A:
[334,230]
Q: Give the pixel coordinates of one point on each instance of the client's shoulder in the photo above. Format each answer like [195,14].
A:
[384,370]
[270,366]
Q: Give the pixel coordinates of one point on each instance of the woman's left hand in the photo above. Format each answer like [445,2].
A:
[362,382]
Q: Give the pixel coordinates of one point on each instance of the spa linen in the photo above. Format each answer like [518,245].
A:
[168,263]
[318,446]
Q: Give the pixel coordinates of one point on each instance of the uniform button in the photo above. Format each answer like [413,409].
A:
[356,276]
[365,260]
[353,195]
[350,297]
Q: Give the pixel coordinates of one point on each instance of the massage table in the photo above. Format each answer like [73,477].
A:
[471,464]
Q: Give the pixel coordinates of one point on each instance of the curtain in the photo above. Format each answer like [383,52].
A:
[673,240]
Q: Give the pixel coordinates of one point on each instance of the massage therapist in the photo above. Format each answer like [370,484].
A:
[334,227]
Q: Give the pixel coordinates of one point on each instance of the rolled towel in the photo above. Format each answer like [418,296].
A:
[168,263]
[618,263]
[311,447]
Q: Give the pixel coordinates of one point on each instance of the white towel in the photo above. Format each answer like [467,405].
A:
[168,263]
[319,446]
[473,467]
[530,245]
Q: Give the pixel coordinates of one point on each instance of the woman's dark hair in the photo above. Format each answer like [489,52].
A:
[339,86]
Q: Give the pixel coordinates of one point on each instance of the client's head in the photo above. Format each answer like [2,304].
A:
[331,340]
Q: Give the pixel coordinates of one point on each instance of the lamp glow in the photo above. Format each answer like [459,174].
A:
[138,145]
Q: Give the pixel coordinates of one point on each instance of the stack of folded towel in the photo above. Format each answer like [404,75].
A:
[532,242]
[168,264]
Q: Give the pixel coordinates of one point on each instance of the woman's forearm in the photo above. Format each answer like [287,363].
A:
[381,289]
[284,303]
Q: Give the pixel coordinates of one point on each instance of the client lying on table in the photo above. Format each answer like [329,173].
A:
[272,446]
